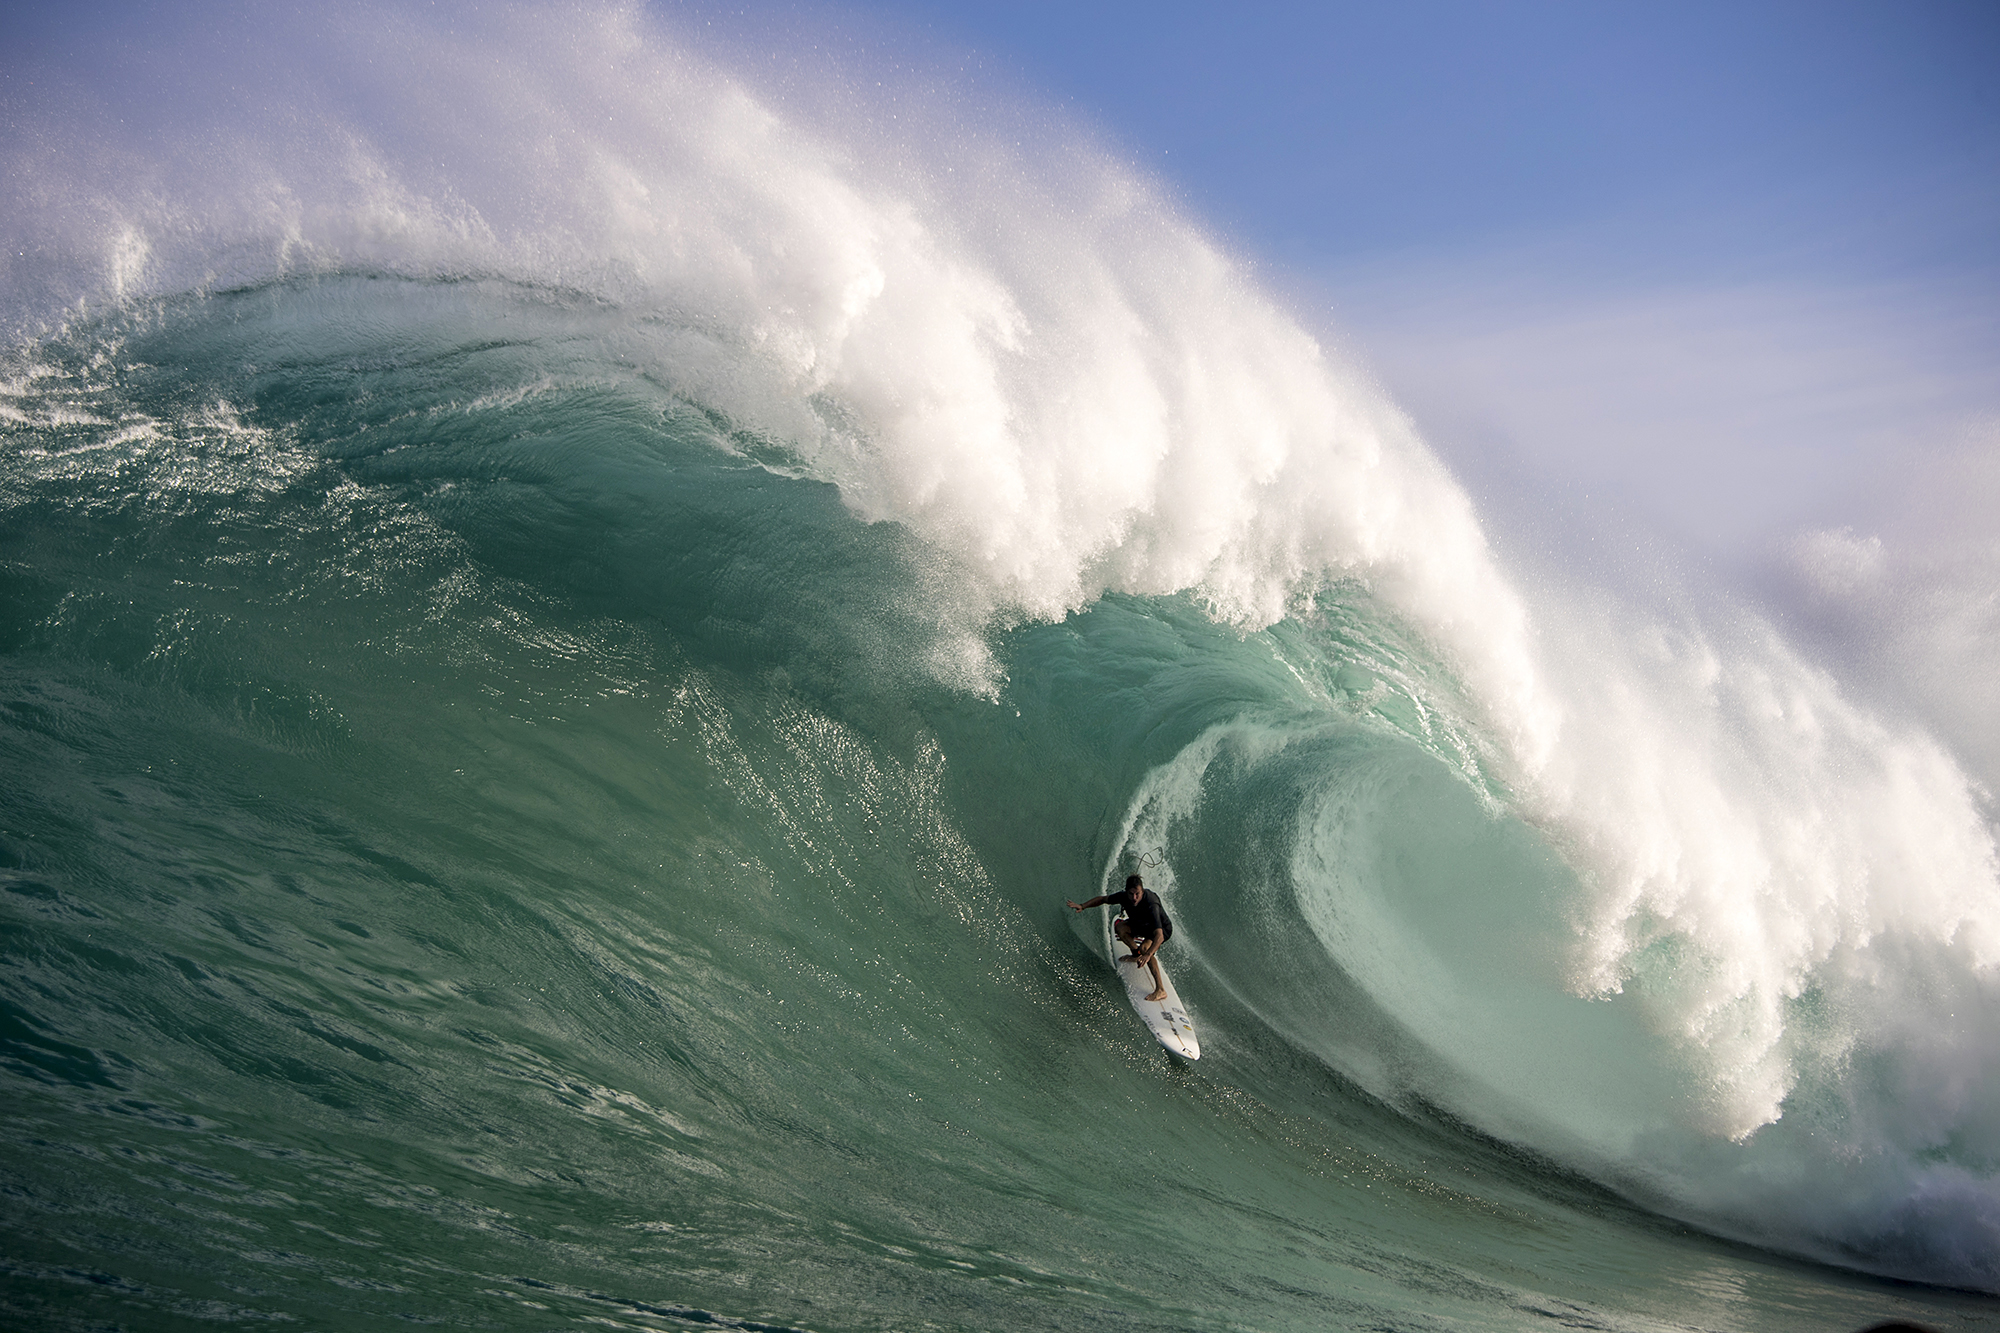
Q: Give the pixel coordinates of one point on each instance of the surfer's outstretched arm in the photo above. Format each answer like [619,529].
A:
[1098,901]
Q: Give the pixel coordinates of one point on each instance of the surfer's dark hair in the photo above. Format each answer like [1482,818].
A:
[1130,880]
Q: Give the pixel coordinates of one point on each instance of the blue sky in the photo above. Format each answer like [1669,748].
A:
[1713,271]
[1323,130]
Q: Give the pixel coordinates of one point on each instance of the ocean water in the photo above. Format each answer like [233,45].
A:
[569,620]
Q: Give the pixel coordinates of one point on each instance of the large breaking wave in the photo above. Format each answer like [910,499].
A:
[1632,883]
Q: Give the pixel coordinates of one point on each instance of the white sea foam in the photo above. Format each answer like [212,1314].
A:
[1065,388]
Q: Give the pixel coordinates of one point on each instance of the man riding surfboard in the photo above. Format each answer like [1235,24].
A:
[1143,928]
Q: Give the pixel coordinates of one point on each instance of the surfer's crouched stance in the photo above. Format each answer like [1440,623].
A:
[1143,928]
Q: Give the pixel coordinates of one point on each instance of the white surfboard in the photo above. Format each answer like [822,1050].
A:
[1166,1019]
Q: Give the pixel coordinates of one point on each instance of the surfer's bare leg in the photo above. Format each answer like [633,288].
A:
[1123,930]
[1142,952]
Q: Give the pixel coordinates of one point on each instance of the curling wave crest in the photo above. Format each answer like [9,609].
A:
[1704,926]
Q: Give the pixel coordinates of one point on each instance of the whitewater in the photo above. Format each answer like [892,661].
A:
[571,611]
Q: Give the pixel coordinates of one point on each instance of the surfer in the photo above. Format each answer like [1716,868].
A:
[1143,928]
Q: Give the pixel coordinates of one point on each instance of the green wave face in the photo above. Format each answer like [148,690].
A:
[489,840]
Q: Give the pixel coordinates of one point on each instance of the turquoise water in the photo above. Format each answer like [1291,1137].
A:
[568,623]
[477,852]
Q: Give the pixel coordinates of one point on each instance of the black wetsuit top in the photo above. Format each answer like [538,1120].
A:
[1147,917]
